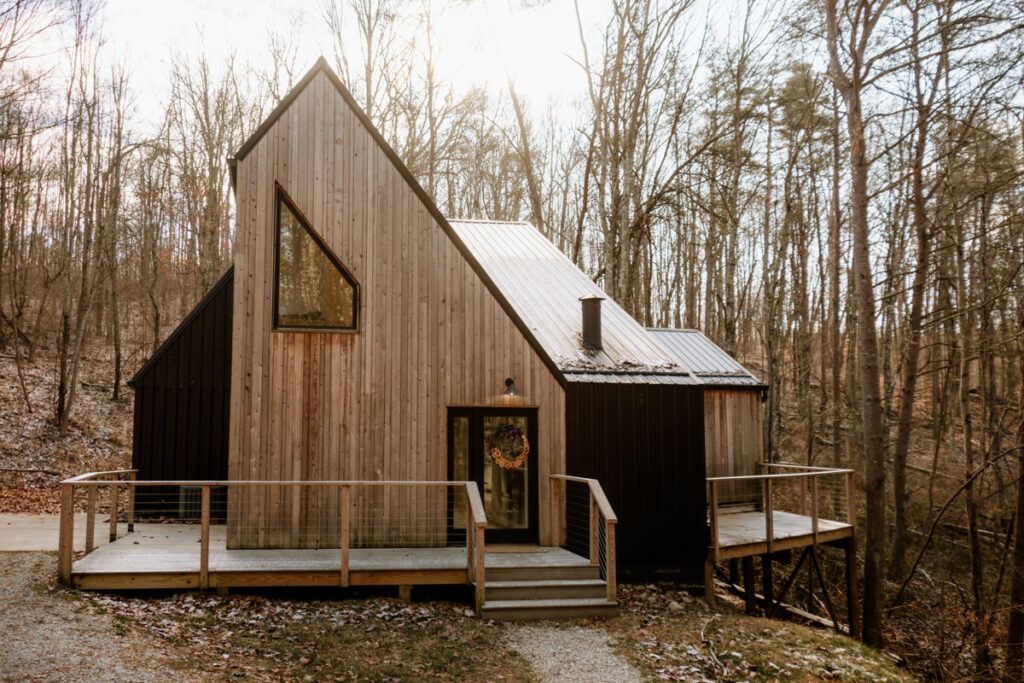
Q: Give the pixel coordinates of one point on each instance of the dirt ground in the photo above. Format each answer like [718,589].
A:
[50,639]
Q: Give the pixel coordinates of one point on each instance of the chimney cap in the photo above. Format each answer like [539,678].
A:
[592,297]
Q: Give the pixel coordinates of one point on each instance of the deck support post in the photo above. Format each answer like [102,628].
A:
[709,579]
[478,547]
[113,512]
[90,520]
[767,581]
[66,548]
[204,540]
[346,531]
[405,592]
[609,559]
[748,584]
[850,549]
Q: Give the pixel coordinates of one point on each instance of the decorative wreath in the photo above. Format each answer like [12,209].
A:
[511,433]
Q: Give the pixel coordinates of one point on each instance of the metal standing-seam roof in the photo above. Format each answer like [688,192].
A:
[708,361]
[544,287]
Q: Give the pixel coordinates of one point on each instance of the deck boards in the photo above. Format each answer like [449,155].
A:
[741,534]
[163,550]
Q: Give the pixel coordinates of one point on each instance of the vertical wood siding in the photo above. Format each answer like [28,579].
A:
[733,440]
[371,404]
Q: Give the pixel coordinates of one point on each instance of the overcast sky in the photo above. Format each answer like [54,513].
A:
[480,40]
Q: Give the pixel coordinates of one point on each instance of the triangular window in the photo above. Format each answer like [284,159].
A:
[314,291]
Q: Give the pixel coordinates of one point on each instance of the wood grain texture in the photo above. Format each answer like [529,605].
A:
[369,405]
[733,441]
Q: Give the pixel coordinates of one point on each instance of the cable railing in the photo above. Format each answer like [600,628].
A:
[317,515]
[820,493]
[584,522]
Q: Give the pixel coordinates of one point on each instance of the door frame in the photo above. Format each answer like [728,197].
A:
[475,462]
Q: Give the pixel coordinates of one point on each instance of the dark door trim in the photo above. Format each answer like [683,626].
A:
[475,465]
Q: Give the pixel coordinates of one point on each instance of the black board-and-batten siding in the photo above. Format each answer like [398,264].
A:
[645,444]
[182,398]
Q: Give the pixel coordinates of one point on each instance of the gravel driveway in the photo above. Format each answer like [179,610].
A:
[44,637]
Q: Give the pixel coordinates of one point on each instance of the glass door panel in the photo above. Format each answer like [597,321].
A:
[506,468]
[497,449]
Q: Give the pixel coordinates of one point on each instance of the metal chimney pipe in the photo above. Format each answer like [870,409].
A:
[592,322]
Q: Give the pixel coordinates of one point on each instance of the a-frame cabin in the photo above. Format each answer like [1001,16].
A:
[412,399]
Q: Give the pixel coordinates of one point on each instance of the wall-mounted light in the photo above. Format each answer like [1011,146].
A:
[510,387]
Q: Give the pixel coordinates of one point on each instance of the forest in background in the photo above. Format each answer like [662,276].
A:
[831,191]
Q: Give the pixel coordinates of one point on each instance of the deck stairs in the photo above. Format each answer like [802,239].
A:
[552,592]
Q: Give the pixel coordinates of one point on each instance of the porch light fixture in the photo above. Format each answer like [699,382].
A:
[510,387]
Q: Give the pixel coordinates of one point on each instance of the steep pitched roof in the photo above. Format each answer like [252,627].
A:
[322,66]
[544,287]
[708,361]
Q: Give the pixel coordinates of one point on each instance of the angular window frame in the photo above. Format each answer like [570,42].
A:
[281,197]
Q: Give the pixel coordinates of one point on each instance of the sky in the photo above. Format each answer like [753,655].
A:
[481,40]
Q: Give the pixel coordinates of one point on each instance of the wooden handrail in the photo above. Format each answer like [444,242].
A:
[595,490]
[811,468]
[91,475]
[599,507]
[791,475]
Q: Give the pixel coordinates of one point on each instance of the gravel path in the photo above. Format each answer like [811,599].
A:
[45,637]
[571,654]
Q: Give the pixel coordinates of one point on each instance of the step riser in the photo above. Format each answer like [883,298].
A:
[544,592]
[530,614]
[542,573]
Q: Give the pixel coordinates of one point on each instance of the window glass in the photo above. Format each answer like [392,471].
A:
[312,291]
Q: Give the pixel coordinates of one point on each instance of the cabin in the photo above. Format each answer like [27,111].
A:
[376,394]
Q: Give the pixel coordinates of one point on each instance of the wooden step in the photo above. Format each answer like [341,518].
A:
[550,573]
[549,609]
[545,589]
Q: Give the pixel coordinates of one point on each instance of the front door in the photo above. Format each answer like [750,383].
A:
[497,449]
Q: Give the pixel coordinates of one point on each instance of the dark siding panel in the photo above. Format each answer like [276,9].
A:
[645,443]
[181,403]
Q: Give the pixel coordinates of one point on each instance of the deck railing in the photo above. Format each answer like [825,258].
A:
[816,492]
[595,523]
[312,514]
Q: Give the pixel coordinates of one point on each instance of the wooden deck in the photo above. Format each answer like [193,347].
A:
[745,533]
[168,556]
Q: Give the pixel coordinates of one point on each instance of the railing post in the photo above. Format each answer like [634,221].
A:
[769,514]
[113,512]
[66,547]
[814,508]
[90,519]
[479,550]
[595,521]
[609,558]
[556,511]
[470,536]
[204,540]
[346,531]
[131,502]
[851,498]
[714,520]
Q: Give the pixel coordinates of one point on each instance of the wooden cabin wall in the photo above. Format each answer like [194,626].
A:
[369,405]
[733,440]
